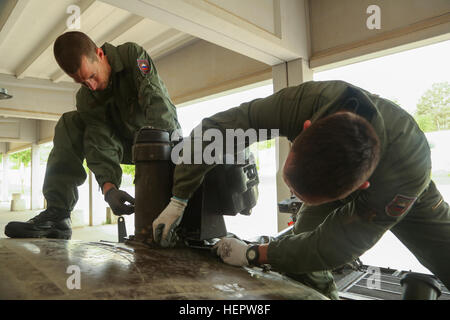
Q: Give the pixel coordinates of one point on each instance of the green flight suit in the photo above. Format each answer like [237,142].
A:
[103,127]
[401,197]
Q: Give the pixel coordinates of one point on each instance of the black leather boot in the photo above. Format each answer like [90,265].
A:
[51,223]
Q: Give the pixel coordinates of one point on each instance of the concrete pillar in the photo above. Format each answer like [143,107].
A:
[36,183]
[91,199]
[287,74]
[5,162]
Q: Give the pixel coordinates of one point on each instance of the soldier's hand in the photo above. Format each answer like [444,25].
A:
[164,226]
[117,200]
[232,251]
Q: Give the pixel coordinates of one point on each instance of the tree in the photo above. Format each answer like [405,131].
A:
[128,169]
[425,122]
[433,109]
[21,160]
[21,157]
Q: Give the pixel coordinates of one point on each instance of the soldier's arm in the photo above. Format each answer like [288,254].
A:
[344,236]
[280,111]
[285,110]
[153,96]
[102,148]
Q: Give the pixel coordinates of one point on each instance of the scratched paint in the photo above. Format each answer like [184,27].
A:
[36,269]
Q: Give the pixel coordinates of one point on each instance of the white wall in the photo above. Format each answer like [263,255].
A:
[339,30]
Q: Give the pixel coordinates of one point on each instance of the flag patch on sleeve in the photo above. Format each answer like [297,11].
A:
[399,205]
[144,66]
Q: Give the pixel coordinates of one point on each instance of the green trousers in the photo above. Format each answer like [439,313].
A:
[308,219]
[425,231]
[65,171]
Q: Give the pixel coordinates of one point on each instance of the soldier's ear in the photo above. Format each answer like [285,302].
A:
[365,185]
[100,54]
[306,124]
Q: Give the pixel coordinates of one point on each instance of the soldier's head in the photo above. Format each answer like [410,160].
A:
[332,158]
[82,60]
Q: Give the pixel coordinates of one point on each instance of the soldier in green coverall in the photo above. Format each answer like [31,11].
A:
[360,164]
[121,93]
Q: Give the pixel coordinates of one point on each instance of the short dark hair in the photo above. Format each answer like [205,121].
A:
[333,156]
[70,47]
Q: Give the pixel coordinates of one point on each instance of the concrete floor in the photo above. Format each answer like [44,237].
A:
[94,233]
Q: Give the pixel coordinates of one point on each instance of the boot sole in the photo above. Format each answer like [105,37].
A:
[20,230]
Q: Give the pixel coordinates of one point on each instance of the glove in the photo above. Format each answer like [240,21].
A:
[116,200]
[232,251]
[164,226]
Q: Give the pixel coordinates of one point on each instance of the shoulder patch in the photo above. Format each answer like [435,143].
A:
[399,205]
[144,66]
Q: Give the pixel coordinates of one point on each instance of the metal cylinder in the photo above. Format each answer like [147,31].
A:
[417,286]
[153,179]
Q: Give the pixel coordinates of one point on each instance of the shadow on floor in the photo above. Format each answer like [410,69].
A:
[94,233]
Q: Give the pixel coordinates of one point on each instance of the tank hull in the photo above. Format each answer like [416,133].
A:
[70,269]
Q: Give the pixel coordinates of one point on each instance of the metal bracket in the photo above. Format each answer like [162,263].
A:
[122,229]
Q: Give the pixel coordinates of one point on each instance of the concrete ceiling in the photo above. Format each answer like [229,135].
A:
[29,28]
[41,91]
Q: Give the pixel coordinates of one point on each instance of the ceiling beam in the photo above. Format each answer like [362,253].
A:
[33,83]
[167,42]
[8,21]
[37,98]
[285,40]
[121,29]
[111,36]
[61,28]
[18,130]
[183,42]
[174,14]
